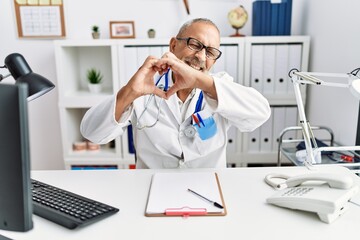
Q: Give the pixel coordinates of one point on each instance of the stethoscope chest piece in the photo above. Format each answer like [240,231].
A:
[190,131]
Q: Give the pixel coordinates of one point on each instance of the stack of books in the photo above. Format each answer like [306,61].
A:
[271,17]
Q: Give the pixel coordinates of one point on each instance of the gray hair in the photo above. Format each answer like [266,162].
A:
[187,24]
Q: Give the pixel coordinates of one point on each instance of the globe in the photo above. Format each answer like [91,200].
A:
[237,18]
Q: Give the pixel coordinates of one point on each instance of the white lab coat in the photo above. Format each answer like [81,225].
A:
[165,145]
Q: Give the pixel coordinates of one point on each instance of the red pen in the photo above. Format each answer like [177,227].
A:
[196,120]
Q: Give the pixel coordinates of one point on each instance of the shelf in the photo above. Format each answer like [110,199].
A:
[83,98]
[118,60]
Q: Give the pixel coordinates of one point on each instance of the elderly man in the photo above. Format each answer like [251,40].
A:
[180,113]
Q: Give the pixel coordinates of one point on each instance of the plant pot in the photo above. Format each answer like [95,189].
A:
[94,88]
[96,35]
[151,33]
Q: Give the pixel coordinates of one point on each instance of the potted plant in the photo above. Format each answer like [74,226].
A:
[95,32]
[94,77]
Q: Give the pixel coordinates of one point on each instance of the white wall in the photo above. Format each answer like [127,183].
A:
[335,47]
[165,16]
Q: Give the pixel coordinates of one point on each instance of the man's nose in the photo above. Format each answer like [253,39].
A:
[201,54]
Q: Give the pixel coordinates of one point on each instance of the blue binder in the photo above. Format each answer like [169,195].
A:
[256,18]
[288,17]
[274,30]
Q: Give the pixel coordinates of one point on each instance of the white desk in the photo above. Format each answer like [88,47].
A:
[244,190]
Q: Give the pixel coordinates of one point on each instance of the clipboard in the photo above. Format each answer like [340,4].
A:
[169,195]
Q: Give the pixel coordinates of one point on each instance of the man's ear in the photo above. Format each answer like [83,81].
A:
[172,44]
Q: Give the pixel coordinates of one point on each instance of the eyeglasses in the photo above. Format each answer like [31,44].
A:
[196,45]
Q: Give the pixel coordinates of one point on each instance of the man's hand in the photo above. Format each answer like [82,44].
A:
[142,83]
[185,76]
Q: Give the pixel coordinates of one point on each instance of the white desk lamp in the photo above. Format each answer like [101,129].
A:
[313,154]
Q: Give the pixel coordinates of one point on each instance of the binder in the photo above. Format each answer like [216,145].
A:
[281,69]
[232,141]
[231,61]
[142,54]
[220,63]
[253,141]
[164,49]
[266,135]
[266,18]
[291,119]
[282,18]
[295,52]
[155,51]
[279,125]
[256,22]
[130,62]
[169,195]
[288,13]
[269,69]
[274,19]
[256,77]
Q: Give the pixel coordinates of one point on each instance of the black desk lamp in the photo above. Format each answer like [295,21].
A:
[15,194]
[22,73]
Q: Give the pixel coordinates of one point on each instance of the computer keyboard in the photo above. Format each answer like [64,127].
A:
[66,208]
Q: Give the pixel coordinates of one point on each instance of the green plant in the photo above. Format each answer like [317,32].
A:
[95,28]
[94,76]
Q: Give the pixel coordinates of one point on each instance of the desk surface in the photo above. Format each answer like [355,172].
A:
[244,190]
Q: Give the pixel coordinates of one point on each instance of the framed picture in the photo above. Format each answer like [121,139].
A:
[122,29]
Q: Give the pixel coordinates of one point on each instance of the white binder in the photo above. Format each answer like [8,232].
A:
[291,119]
[142,54]
[295,53]
[232,141]
[281,69]
[266,136]
[269,69]
[253,141]
[155,51]
[164,50]
[256,77]
[279,125]
[219,66]
[231,61]
[130,62]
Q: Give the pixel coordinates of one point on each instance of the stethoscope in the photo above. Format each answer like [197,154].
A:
[189,131]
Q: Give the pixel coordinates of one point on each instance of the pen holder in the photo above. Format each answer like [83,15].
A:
[208,129]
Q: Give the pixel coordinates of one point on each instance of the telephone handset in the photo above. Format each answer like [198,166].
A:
[323,193]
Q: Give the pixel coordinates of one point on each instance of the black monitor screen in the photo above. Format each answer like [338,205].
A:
[15,195]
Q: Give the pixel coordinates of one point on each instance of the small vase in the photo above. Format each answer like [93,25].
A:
[95,35]
[151,33]
[94,88]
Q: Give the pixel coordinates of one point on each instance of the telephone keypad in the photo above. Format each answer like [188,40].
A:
[297,191]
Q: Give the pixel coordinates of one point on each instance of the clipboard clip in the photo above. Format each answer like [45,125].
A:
[185,212]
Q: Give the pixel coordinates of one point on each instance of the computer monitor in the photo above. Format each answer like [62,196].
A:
[15,192]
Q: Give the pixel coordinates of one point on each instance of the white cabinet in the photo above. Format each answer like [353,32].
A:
[260,62]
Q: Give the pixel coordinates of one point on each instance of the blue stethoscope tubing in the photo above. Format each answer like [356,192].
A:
[165,88]
[201,95]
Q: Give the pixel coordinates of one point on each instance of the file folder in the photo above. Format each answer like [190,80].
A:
[294,61]
[281,69]
[169,195]
[256,77]
[266,134]
[269,68]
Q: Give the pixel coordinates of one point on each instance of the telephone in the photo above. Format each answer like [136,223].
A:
[324,193]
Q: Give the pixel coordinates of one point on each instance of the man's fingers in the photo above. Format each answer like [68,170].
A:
[160,93]
[172,90]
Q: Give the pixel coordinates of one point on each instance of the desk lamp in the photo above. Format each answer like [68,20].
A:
[314,154]
[22,73]
[15,182]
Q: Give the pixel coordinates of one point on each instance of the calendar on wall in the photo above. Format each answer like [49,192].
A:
[40,18]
